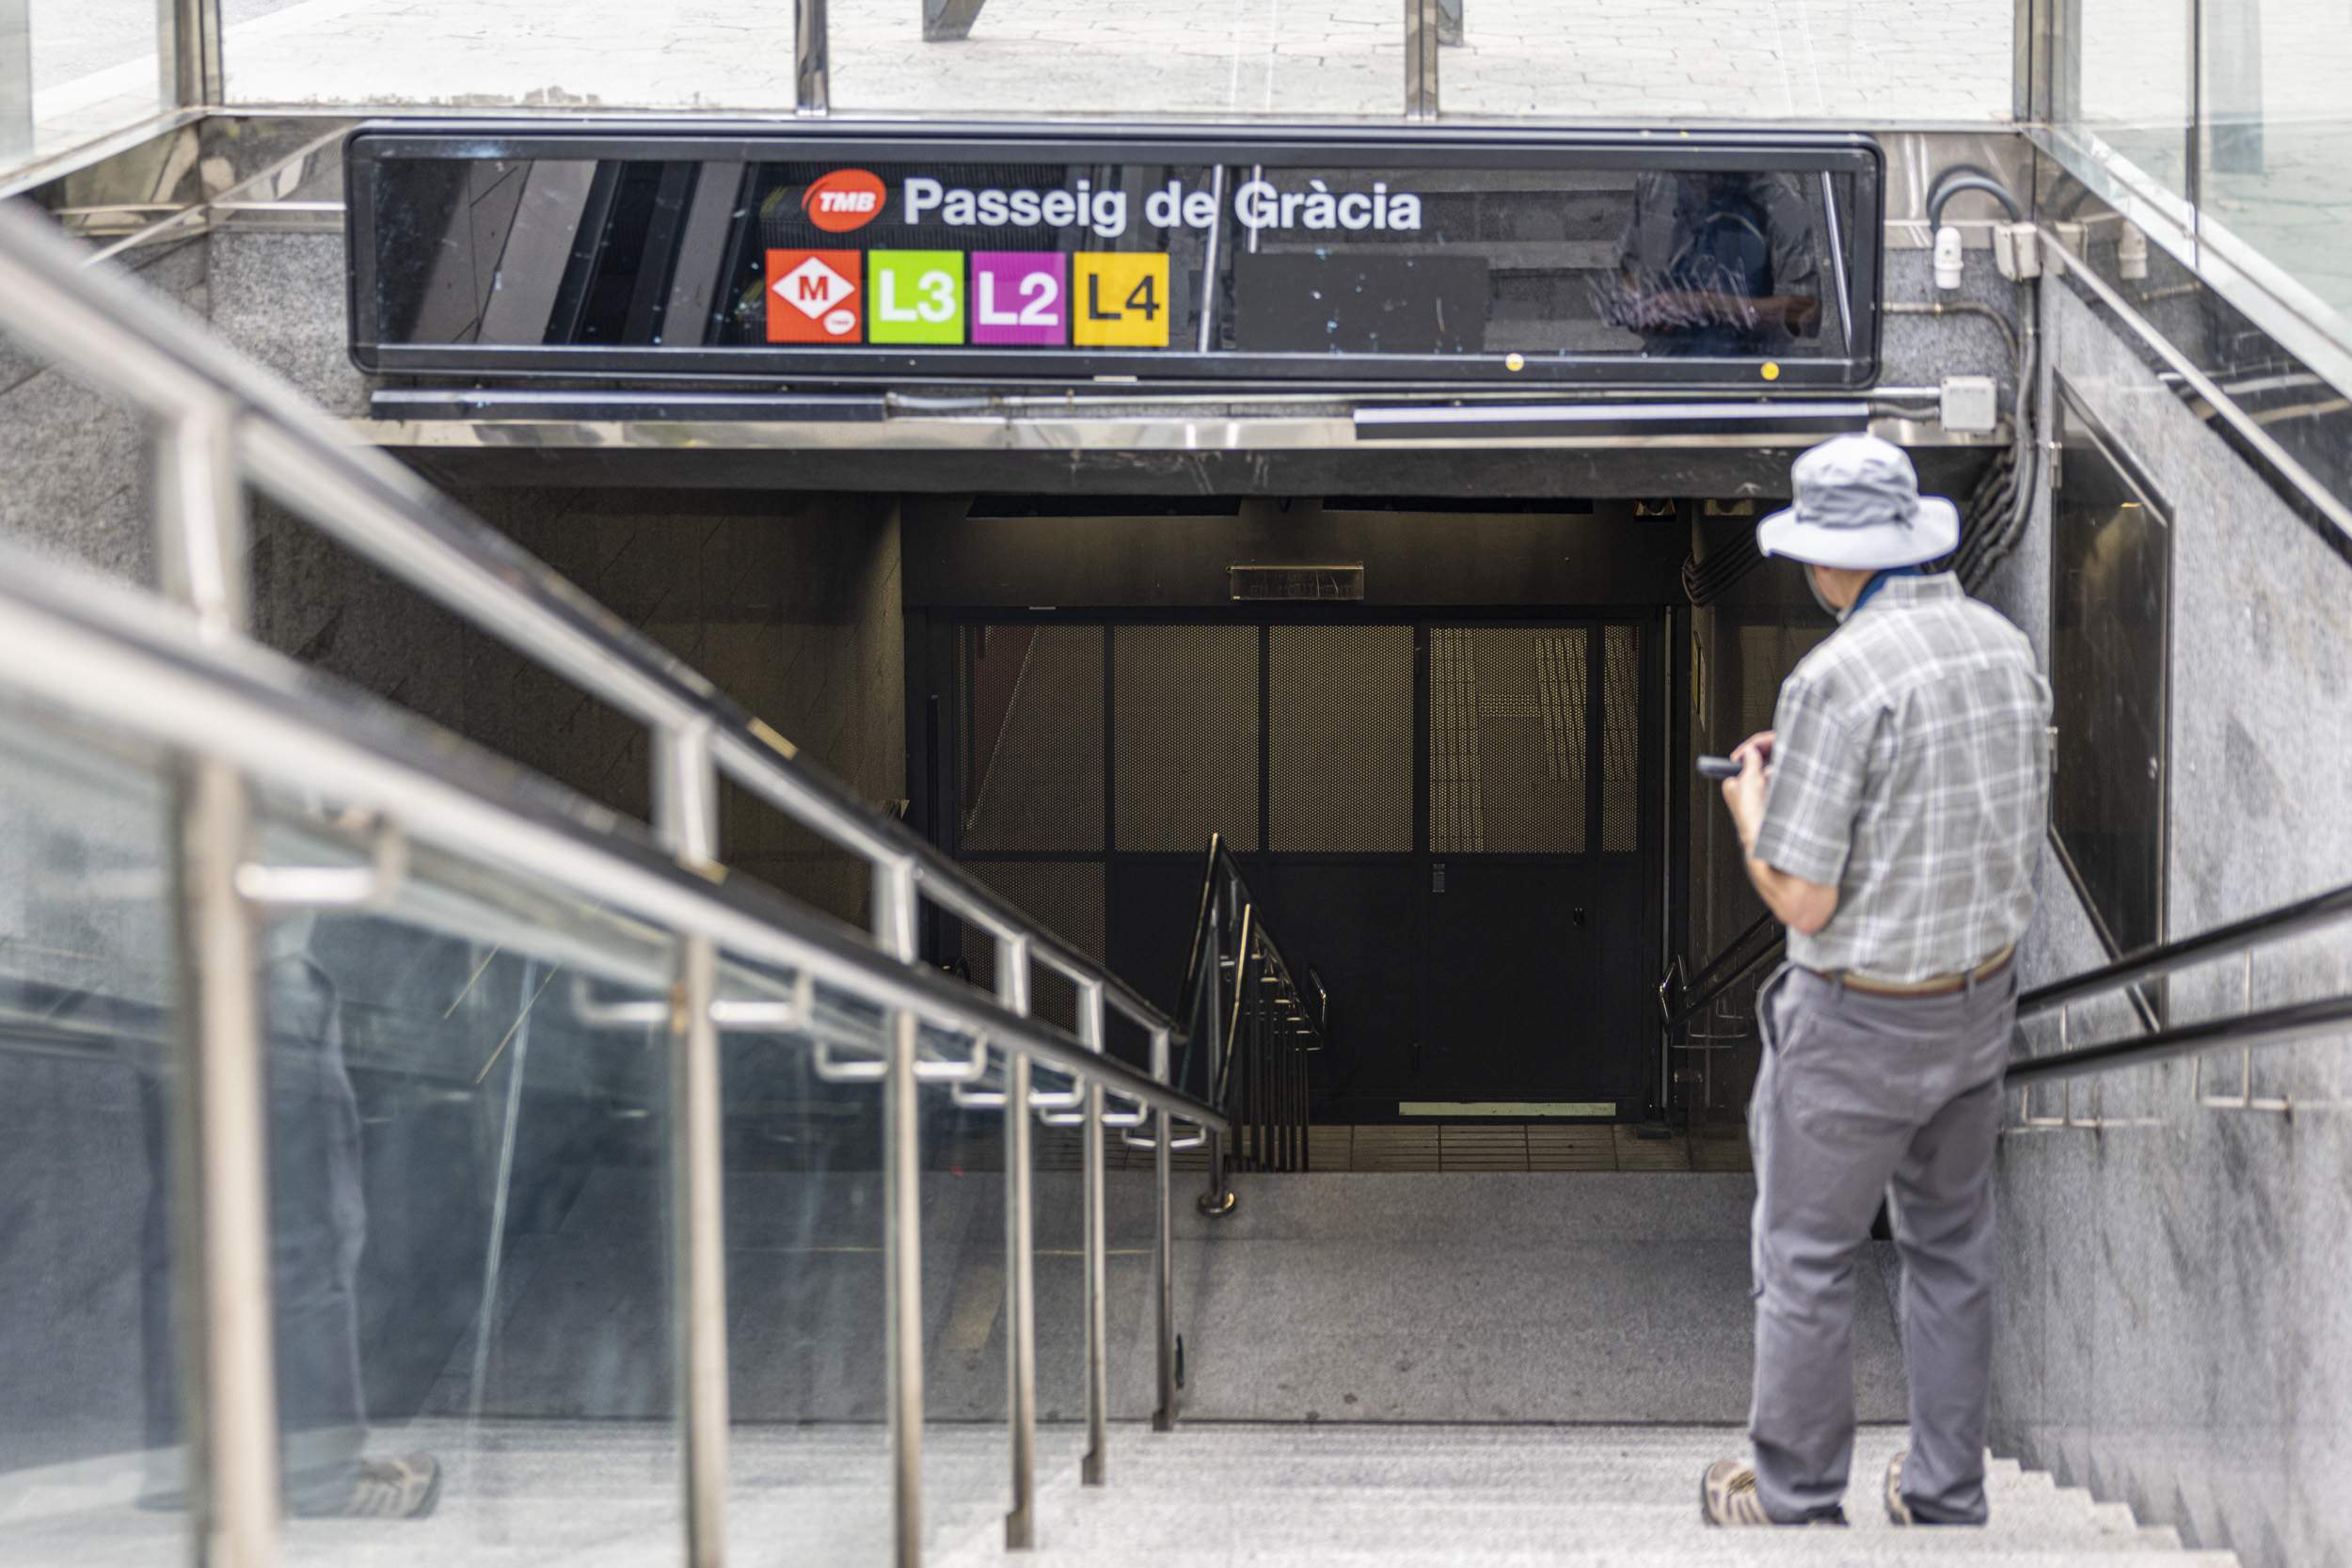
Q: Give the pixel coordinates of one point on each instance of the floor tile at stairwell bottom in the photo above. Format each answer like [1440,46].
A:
[1482,1148]
[1330,1146]
[1413,1149]
[1639,1153]
[1562,1148]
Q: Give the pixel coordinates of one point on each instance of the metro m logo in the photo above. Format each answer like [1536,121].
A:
[814,297]
[844,199]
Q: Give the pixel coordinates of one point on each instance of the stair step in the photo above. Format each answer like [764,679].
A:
[1431,1530]
[1727,1552]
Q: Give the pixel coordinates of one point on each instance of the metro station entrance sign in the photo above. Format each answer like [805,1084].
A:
[1354,258]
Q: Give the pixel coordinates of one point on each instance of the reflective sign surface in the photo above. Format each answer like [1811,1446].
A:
[1721,260]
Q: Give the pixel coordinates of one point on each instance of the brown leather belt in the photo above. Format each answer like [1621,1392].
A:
[1937,984]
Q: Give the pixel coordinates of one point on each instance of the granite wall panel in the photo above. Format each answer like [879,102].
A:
[2174,1333]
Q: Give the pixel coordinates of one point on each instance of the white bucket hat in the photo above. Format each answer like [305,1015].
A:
[1858,506]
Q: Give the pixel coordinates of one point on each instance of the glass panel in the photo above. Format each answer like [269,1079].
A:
[91,1468]
[1341,738]
[1132,57]
[2122,84]
[668,55]
[2276,179]
[468,1119]
[90,68]
[1508,739]
[809,1451]
[1186,715]
[1733,60]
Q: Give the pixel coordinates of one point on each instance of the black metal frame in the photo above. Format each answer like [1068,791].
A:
[2120,459]
[1280,148]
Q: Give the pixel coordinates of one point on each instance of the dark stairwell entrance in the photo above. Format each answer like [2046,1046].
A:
[1454,812]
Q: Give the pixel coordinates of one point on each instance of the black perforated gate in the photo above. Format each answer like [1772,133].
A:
[1454,821]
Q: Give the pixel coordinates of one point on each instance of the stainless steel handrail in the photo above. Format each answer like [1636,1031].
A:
[221,424]
[103,328]
[100,651]
[1267,1015]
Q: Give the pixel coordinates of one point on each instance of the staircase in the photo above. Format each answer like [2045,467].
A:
[1425,1368]
[1602,1496]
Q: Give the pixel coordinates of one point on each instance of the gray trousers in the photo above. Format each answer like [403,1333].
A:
[1860,1096]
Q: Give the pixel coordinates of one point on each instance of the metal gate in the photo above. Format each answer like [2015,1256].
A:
[1455,821]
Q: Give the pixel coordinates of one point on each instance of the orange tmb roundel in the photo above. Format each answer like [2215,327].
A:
[844,199]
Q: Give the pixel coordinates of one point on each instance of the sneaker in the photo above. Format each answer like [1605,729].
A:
[1897,1511]
[402,1488]
[1727,1495]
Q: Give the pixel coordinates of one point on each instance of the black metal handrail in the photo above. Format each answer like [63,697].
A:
[2271,1026]
[1255,1033]
[2151,963]
[1708,985]
[2247,1029]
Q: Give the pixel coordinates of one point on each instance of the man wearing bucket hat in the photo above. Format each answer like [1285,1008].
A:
[1891,818]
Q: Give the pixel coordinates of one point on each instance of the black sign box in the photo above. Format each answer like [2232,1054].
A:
[1357,257]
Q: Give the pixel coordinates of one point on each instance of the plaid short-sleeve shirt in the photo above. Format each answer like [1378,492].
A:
[1911,770]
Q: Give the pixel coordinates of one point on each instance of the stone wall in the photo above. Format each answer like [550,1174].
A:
[2174,1329]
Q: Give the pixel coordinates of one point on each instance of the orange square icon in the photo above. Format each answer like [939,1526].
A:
[814,297]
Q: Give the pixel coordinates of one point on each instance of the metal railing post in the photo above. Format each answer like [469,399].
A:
[812,72]
[1422,26]
[1012,989]
[228,1377]
[1216,1198]
[686,810]
[1163,1205]
[189,59]
[903,1220]
[1097,1247]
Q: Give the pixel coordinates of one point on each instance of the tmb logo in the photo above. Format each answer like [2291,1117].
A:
[844,199]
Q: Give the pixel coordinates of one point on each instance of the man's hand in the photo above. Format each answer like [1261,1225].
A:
[1798,904]
[1744,795]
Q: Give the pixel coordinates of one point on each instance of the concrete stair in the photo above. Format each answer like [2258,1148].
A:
[1355,1497]
[604,1495]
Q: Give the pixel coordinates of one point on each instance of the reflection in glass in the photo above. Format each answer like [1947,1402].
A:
[2111,554]
[1863,60]
[1049,267]
[1717,264]
[91,1469]
[2276,150]
[2122,84]
[89,66]
[650,54]
[1239,57]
